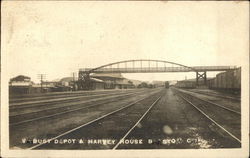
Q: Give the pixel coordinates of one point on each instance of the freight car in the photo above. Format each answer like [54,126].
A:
[191,83]
[227,81]
[166,84]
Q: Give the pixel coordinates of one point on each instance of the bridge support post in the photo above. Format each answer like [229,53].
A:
[201,75]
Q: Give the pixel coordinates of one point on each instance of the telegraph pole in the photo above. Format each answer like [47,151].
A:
[41,77]
[74,81]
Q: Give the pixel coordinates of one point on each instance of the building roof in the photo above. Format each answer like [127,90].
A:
[96,80]
[124,82]
[20,84]
[20,78]
[111,75]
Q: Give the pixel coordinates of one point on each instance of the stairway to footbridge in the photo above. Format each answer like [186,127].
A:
[151,66]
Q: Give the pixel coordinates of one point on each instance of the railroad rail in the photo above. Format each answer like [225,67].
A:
[18,105]
[52,95]
[61,100]
[203,109]
[216,95]
[121,109]
[136,124]
[127,117]
[212,103]
[34,113]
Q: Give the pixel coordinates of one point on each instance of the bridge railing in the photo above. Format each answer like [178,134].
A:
[158,69]
[141,69]
[214,68]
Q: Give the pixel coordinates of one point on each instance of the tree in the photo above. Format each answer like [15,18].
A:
[143,85]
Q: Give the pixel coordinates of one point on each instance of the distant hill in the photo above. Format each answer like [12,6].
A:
[158,82]
[135,82]
[172,82]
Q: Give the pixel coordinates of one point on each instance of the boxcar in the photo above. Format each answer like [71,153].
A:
[229,80]
[166,84]
[186,84]
[237,78]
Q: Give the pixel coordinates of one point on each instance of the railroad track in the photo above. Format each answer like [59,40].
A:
[56,111]
[30,107]
[57,95]
[214,104]
[123,120]
[216,95]
[227,120]
[38,102]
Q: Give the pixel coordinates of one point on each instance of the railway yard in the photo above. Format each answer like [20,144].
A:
[146,118]
[125,79]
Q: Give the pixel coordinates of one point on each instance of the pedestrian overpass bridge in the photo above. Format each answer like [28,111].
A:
[157,69]
[151,66]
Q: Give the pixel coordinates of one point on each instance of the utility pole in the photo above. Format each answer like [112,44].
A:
[41,77]
[74,81]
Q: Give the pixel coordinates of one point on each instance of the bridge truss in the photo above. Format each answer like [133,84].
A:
[151,66]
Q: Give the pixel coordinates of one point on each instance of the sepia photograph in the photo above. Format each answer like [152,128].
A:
[124,78]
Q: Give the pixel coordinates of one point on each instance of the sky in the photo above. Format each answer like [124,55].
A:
[60,37]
